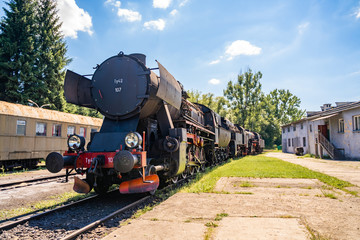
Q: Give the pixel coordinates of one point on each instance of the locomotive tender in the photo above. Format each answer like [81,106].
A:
[150,130]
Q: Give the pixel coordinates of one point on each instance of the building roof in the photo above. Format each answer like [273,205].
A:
[19,110]
[343,106]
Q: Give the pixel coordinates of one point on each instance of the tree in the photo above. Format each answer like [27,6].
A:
[244,98]
[284,105]
[254,110]
[52,58]
[33,54]
[217,104]
[280,107]
[17,55]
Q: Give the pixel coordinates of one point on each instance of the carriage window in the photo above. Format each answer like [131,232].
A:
[40,129]
[56,131]
[82,132]
[93,130]
[70,130]
[20,127]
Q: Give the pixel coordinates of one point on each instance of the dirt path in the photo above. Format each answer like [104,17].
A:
[24,196]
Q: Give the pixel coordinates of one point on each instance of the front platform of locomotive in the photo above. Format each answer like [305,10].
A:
[122,88]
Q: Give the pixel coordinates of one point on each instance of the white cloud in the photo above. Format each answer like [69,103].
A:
[303,27]
[174,12]
[161,3]
[214,81]
[241,47]
[155,24]
[126,15]
[183,3]
[73,18]
[113,3]
[357,13]
[214,62]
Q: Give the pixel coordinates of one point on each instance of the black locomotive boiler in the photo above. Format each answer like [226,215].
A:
[150,132]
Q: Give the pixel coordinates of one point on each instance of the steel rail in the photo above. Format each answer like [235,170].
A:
[32,180]
[117,212]
[104,219]
[21,219]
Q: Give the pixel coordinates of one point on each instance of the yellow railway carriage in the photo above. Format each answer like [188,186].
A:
[28,134]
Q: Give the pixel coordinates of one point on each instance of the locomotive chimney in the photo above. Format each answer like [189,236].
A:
[140,56]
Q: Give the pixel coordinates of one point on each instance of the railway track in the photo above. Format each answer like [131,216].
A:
[25,183]
[72,220]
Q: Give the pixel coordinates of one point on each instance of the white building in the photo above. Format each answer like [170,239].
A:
[333,132]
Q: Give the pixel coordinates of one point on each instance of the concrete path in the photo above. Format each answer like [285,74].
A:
[345,170]
[271,209]
[193,216]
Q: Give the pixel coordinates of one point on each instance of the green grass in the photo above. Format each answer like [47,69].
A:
[259,166]
[220,216]
[53,202]
[245,184]
[18,171]
[308,155]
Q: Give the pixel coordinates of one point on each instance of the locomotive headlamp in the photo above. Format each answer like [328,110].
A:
[133,139]
[76,142]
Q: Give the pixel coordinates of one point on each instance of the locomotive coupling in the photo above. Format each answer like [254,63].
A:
[55,162]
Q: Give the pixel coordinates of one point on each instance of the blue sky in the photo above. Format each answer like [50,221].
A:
[310,47]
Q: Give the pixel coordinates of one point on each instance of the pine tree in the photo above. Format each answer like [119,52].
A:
[32,54]
[17,55]
[52,56]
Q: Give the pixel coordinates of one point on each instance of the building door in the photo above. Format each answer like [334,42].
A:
[324,130]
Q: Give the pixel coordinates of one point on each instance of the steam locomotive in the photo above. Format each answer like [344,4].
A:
[150,133]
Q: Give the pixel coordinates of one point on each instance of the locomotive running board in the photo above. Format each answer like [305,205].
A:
[80,186]
[151,183]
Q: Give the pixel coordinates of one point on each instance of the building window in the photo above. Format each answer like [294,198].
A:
[356,123]
[70,130]
[292,142]
[56,131]
[341,125]
[302,126]
[82,132]
[40,129]
[283,130]
[304,141]
[289,142]
[20,127]
[310,127]
[288,129]
[294,128]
